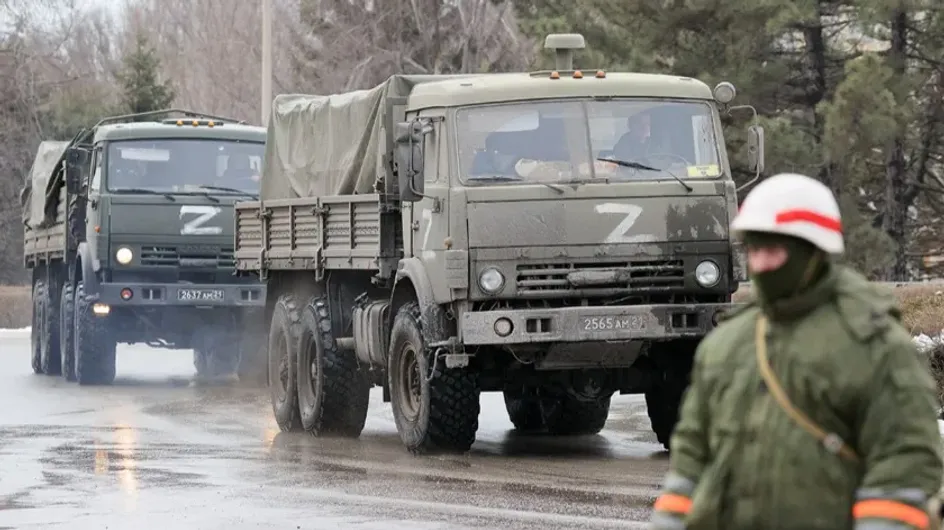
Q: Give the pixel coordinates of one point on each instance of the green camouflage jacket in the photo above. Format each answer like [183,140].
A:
[738,461]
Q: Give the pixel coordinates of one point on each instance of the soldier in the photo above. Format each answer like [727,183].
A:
[809,407]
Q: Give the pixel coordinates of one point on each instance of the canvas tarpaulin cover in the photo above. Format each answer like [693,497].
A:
[35,192]
[333,145]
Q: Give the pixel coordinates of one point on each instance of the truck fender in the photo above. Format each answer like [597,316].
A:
[89,277]
[410,271]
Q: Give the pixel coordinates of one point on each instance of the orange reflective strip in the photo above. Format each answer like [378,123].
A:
[897,511]
[670,502]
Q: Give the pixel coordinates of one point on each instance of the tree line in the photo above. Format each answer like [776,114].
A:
[849,91]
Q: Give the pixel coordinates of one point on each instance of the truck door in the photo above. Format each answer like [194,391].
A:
[431,214]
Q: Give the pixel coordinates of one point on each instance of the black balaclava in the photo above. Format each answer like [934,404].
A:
[804,266]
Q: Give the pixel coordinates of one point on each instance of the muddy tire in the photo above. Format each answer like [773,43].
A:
[50,358]
[664,400]
[439,414]
[94,346]
[569,416]
[36,324]
[67,332]
[284,332]
[524,412]
[333,392]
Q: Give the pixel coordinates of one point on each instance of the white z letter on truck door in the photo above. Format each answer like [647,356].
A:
[631,213]
[195,227]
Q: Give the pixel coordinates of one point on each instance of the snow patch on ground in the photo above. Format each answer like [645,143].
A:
[926,342]
[5,332]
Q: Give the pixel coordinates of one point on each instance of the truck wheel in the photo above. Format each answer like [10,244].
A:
[49,339]
[663,405]
[665,398]
[567,415]
[524,412]
[333,392]
[441,412]
[36,324]
[94,348]
[283,339]
[66,335]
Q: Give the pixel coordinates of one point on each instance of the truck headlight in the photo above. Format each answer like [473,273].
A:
[491,280]
[124,255]
[707,273]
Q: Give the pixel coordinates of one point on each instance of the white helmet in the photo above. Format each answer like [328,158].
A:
[793,205]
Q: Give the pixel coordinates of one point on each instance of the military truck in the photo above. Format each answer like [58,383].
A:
[442,236]
[128,234]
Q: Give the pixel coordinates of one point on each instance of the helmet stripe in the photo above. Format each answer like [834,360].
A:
[809,216]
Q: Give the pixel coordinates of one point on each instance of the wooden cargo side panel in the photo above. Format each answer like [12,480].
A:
[341,233]
[48,243]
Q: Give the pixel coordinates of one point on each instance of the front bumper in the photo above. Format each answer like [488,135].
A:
[592,324]
[183,295]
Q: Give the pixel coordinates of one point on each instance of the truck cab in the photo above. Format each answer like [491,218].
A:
[149,244]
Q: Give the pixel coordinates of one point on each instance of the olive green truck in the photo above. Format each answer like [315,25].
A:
[128,236]
[557,236]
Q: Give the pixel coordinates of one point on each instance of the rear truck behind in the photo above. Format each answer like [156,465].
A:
[443,236]
[129,239]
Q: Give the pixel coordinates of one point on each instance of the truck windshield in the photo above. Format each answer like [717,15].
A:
[563,140]
[184,165]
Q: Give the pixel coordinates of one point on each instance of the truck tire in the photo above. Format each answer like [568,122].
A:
[567,415]
[663,404]
[50,357]
[524,412]
[333,392]
[36,325]
[66,332]
[284,331]
[441,413]
[94,347]
[665,398]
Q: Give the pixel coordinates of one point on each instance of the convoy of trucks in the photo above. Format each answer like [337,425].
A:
[557,236]
[129,238]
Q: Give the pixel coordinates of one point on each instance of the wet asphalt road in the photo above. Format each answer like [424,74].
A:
[154,452]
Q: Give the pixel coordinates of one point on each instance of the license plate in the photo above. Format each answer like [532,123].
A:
[617,323]
[199,295]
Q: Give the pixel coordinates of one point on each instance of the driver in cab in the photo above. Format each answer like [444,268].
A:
[634,144]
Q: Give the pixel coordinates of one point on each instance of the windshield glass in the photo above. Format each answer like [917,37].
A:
[559,140]
[184,165]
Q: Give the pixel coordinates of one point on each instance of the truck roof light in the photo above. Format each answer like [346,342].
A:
[601,74]
[555,75]
[578,74]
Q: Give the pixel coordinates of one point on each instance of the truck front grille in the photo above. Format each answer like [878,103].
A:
[188,256]
[549,279]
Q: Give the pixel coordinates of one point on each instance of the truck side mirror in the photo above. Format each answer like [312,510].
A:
[410,137]
[755,148]
[76,164]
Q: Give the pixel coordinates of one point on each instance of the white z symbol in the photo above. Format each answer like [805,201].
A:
[196,227]
[618,235]
[428,219]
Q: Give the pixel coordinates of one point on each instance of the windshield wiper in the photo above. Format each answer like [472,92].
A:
[508,178]
[637,165]
[232,190]
[145,191]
